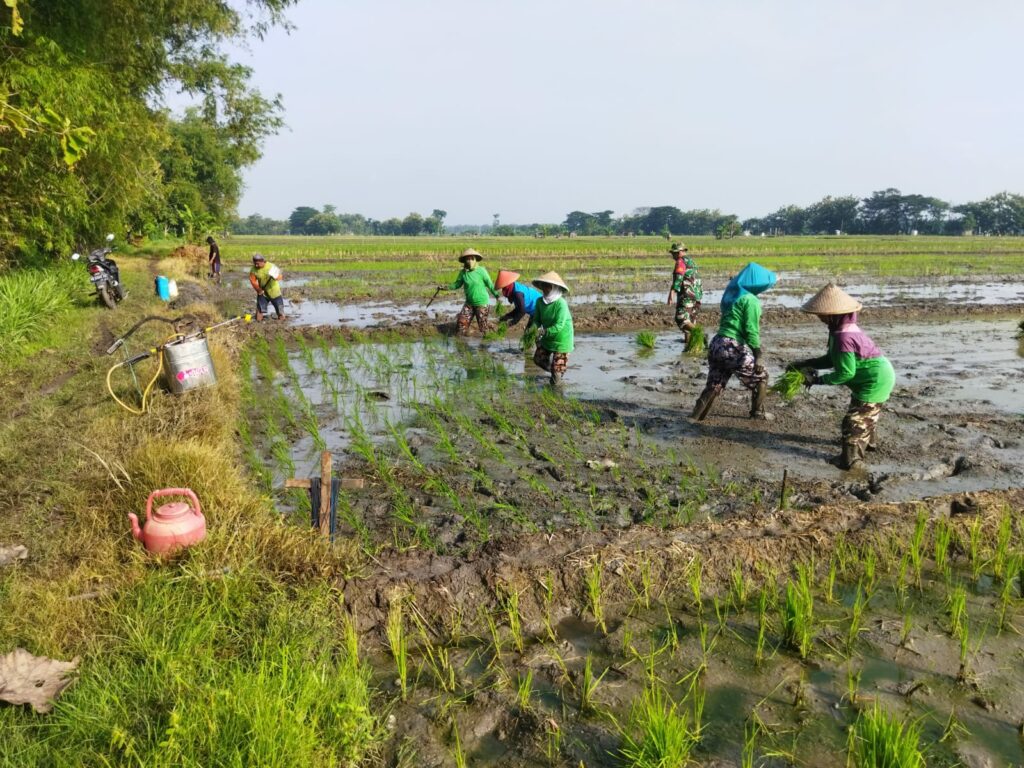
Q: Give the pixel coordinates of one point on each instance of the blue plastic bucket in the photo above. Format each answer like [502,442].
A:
[163,289]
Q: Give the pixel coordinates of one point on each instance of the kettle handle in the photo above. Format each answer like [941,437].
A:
[173,492]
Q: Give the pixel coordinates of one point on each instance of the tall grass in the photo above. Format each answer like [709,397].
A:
[31,300]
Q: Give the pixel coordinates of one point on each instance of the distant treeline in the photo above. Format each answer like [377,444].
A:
[885,212]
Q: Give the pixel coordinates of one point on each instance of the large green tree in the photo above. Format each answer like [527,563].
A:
[85,143]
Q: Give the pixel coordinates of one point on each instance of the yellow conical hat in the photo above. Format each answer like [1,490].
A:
[831,300]
[552,278]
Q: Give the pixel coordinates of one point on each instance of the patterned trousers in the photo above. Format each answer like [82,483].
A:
[727,357]
[686,312]
[859,424]
[467,313]
[555,362]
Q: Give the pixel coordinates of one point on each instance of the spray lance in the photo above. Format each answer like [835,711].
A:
[184,359]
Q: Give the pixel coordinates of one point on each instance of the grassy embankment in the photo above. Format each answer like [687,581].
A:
[403,267]
[237,652]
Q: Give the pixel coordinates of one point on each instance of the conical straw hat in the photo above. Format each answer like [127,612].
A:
[831,300]
[505,279]
[470,252]
[551,278]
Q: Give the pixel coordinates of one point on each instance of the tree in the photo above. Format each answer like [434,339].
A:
[412,224]
[438,215]
[831,214]
[322,224]
[298,218]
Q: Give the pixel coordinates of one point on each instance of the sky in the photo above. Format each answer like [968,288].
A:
[534,108]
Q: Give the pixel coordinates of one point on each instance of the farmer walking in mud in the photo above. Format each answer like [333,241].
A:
[551,314]
[686,290]
[478,288]
[523,298]
[264,278]
[856,363]
[214,259]
[736,348]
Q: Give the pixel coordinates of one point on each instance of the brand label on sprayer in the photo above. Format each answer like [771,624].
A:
[188,373]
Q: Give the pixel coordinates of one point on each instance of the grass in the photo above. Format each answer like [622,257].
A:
[880,740]
[33,302]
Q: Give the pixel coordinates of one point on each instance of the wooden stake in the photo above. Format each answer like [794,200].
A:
[782,497]
[325,493]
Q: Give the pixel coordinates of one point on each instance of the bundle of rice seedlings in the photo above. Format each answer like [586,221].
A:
[1020,330]
[789,384]
[697,344]
[497,333]
[645,339]
[529,337]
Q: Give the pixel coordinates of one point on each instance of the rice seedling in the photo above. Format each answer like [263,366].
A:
[645,340]
[394,629]
[954,729]
[762,625]
[788,385]
[1006,591]
[907,626]
[510,602]
[641,593]
[524,691]
[589,685]
[856,626]
[311,424]
[752,728]
[694,579]
[439,660]
[830,581]
[1020,330]
[457,752]
[964,644]
[852,694]
[553,741]
[1004,535]
[943,538]
[497,333]
[739,589]
[974,534]
[595,591]
[798,613]
[956,608]
[657,734]
[697,343]
[916,550]
[529,338]
[880,739]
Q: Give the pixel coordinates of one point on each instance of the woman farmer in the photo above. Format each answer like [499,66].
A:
[686,290]
[523,298]
[478,287]
[551,313]
[856,363]
[736,348]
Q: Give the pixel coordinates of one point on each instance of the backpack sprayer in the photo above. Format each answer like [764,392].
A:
[184,359]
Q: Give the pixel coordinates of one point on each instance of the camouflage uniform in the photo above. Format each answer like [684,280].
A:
[859,425]
[689,292]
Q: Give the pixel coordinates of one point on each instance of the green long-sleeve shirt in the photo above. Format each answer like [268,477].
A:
[742,321]
[870,380]
[556,321]
[477,284]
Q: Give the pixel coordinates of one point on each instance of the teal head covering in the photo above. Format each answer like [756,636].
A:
[753,278]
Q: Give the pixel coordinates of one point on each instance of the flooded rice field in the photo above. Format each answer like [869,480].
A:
[562,577]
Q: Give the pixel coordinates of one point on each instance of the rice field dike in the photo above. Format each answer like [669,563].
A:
[520,575]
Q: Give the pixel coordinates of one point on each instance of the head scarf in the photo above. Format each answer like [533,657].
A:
[753,279]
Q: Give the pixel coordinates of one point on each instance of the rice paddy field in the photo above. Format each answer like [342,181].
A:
[521,575]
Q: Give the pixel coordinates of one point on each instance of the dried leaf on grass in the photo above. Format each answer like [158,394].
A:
[34,680]
[10,555]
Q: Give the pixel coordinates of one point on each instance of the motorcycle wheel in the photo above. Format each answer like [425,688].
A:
[106,297]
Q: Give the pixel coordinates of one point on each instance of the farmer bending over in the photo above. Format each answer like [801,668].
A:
[264,278]
[476,284]
[686,290]
[523,298]
[736,348]
[551,314]
[856,363]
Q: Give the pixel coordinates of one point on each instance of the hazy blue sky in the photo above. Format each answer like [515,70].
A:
[535,108]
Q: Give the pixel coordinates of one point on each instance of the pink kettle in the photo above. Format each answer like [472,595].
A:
[172,526]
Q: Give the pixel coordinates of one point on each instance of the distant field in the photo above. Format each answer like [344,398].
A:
[357,266]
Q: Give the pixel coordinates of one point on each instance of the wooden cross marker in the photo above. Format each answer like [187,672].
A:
[326,462]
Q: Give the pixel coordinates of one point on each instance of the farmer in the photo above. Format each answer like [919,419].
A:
[523,298]
[265,278]
[214,258]
[686,290]
[478,287]
[736,348]
[856,363]
[551,314]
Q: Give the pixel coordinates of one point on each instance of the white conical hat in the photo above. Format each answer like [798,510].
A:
[552,278]
[831,300]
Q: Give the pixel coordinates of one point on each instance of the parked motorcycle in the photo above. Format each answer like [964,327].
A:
[103,274]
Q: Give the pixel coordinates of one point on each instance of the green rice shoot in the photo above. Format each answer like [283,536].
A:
[1020,330]
[645,339]
[697,343]
[529,338]
[788,385]
[496,333]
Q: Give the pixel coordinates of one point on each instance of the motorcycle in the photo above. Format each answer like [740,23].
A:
[103,274]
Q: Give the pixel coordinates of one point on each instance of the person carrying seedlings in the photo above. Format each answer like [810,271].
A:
[523,298]
[214,258]
[736,348]
[264,278]
[686,289]
[478,287]
[856,363]
[551,314]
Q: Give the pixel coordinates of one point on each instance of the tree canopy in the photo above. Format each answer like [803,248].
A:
[86,143]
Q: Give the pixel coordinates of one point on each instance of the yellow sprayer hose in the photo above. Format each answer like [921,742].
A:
[145,393]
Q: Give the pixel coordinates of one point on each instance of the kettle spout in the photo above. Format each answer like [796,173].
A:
[136,530]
